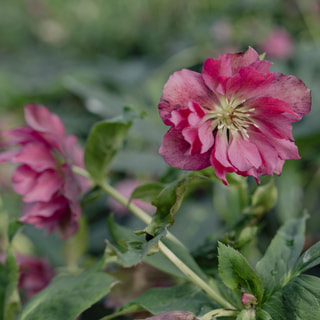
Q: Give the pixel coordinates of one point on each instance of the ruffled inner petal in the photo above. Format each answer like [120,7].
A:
[37,156]
[243,59]
[216,72]
[24,179]
[243,154]
[174,149]
[47,183]
[41,119]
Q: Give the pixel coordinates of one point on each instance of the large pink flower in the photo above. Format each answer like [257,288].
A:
[45,179]
[236,116]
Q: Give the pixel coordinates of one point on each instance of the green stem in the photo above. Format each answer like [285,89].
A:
[219,313]
[193,276]
[163,248]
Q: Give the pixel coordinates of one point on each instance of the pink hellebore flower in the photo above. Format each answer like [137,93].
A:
[236,116]
[45,179]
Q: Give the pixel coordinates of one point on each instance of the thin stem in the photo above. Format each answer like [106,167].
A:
[193,276]
[219,313]
[142,215]
[123,200]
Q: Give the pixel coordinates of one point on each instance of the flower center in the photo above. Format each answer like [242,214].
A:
[231,115]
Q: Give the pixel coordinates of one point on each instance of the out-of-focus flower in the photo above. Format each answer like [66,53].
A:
[126,187]
[34,274]
[278,44]
[236,116]
[45,179]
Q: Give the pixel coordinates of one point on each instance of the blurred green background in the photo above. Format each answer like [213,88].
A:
[87,59]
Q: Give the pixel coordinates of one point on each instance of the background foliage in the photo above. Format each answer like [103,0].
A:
[87,59]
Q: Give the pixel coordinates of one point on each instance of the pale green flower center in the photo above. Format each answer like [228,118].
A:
[231,115]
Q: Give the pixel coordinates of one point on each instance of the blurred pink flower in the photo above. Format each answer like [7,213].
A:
[126,187]
[278,44]
[34,274]
[45,179]
[236,116]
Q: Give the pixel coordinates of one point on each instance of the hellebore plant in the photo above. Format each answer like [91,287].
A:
[235,119]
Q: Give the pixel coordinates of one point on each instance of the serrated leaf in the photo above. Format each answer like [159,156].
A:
[309,259]
[128,248]
[169,200]
[104,140]
[67,297]
[236,272]
[275,267]
[299,299]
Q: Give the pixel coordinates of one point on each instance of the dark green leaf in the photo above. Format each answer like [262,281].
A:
[275,267]
[169,201]
[236,272]
[104,140]
[129,248]
[147,192]
[9,293]
[298,300]
[67,297]
[14,227]
[309,259]
[186,297]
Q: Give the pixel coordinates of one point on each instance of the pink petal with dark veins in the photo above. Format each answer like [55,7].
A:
[174,149]
[181,88]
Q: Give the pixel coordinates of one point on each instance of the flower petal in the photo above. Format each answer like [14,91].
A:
[24,179]
[47,183]
[41,119]
[181,88]
[174,150]
[206,136]
[37,156]
[293,91]
[243,59]
[243,154]
[248,83]
[216,72]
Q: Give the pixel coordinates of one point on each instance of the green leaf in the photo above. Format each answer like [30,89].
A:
[147,192]
[67,297]
[309,259]
[299,299]
[275,267]
[104,140]
[169,200]
[10,297]
[263,315]
[264,198]
[247,315]
[186,297]
[236,272]
[14,227]
[128,248]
